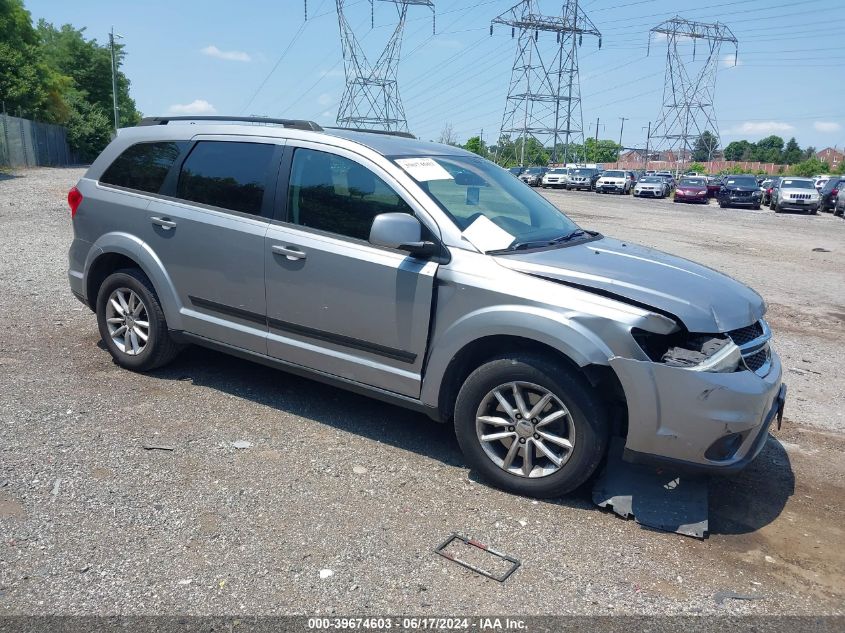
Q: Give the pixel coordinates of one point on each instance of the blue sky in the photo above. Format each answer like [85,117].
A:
[212,56]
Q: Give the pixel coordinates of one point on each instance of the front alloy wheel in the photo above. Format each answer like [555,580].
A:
[525,429]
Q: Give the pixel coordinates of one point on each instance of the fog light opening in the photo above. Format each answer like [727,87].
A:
[725,447]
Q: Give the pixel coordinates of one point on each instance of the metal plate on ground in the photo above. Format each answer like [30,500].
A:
[655,497]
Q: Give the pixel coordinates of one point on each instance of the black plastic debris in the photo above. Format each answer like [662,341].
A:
[656,498]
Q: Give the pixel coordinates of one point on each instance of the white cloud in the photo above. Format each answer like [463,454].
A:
[233,56]
[826,126]
[197,106]
[763,128]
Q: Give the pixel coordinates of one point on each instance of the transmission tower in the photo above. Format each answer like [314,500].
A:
[543,106]
[689,88]
[371,99]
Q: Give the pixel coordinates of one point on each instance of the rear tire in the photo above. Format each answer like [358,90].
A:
[126,301]
[581,421]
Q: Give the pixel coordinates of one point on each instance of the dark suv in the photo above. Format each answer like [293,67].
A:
[829,192]
[739,191]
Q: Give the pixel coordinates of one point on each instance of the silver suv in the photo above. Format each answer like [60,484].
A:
[426,276]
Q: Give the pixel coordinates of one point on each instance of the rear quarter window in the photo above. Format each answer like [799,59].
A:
[143,166]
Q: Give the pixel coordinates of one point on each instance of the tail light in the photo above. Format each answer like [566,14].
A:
[834,193]
[74,199]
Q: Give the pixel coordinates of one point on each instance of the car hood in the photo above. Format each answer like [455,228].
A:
[735,188]
[799,190]
[704,300]
[693,187]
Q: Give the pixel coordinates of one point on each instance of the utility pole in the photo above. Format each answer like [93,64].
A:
[597,141]
[621,129]
[113,35]
[647,139]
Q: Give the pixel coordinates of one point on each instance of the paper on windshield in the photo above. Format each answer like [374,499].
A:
[485,235]
[423,169]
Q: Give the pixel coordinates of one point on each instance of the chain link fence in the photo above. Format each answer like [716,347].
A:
[25,143]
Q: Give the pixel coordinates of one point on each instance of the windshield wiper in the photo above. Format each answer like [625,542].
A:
[518,246]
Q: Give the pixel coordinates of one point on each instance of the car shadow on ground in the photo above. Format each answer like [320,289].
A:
[739,504]
[756,496]
[7,176]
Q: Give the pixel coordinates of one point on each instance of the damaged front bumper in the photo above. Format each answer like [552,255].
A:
[698,420]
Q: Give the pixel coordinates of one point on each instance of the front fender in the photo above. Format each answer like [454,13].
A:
[548,327]
[138,251]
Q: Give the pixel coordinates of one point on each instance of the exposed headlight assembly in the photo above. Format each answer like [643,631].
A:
[693,352]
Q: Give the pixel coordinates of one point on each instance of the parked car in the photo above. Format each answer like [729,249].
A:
[614,181]
[766,189]
[829,192]
[632,179]
[839,208]
[582,178]
[739,191]
[820,182]
[367,261]
[691,189]
[557,177]
[533,176]
[668,177]
[651,187]
[714,183]
[795,194]
[516,171]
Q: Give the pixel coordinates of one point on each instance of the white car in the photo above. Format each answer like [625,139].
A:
[651,187]
[796,194]
[820,182]
[557,177]
[613,180]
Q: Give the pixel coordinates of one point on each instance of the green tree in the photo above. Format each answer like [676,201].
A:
[88,65]
[704,146]
[604,151]
[697,167]
[739,150]
[792,152]
[769,149]
[27,83]
[809,167]
[475,145]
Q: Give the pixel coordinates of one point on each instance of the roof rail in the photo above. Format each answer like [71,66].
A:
[297,124]
[385,132]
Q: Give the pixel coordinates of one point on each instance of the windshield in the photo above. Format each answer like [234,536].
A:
[613,174]
[492,209]
[692,182]
[559,170]
[651,179]
[791,183]
[582,172]
[534,170]
[741,181]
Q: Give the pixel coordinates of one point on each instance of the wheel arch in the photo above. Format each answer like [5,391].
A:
[115,251]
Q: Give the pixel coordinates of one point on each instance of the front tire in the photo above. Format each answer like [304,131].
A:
[531,425]
[131,322]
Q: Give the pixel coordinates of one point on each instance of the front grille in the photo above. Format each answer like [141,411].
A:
[799,196]
[757,360]
[746,334]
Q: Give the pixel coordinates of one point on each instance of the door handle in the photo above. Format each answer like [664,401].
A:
[288,251]
[163,223]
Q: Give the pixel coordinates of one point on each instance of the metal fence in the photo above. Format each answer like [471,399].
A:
[25,143]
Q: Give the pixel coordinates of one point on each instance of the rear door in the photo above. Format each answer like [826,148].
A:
[336,303]
[208,230]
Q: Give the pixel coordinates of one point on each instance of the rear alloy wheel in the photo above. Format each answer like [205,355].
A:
[132,323]
[530,426]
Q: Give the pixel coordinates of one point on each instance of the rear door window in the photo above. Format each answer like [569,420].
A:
[143,166]
[228,174]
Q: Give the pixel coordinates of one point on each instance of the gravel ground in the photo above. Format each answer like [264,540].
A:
[92,523]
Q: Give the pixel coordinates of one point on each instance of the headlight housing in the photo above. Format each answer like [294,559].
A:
[694,352]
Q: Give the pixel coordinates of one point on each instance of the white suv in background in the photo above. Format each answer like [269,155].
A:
[557,177]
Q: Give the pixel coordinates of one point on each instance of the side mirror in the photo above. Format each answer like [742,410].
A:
[401,231]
